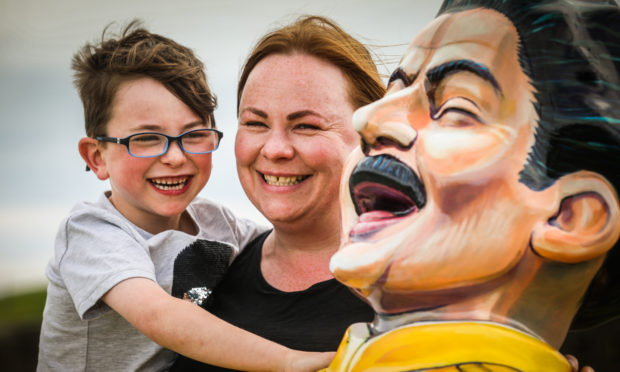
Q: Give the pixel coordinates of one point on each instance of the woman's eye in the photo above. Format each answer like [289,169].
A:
[307,127]
[254,124]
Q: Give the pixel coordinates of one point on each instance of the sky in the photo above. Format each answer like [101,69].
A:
[41,116]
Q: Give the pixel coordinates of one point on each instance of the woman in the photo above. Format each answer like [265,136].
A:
[296,97]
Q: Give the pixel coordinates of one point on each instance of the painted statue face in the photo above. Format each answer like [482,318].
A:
[436,209]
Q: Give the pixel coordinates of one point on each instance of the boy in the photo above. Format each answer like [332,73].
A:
[150,126]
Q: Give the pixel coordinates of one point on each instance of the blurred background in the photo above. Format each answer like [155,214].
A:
[42,120]
[41,115]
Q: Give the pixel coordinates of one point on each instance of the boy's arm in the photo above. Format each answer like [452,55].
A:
[189,330]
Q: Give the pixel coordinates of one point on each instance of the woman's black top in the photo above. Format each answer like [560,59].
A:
[314,319]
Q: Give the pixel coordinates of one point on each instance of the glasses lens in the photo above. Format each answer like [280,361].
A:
[147,144]
[200,141]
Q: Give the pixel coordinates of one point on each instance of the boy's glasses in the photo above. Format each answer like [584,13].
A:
[152,144]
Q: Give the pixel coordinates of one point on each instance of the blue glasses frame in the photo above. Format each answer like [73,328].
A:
[169,139]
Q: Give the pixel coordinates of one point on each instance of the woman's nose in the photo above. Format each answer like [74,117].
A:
[278,145]
[389,121]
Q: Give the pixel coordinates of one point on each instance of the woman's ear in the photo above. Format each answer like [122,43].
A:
[586,224]
[91,153]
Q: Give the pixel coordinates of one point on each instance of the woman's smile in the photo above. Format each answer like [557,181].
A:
[273,180]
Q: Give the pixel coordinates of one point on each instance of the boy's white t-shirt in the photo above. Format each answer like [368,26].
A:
[96,248]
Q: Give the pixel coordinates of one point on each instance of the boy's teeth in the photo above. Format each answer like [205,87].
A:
[282,180]
[169,183]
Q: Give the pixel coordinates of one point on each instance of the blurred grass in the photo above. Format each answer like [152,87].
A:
[20,324]
[22,308]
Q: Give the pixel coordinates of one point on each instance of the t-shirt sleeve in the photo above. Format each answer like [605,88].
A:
[244,230]
[100,253]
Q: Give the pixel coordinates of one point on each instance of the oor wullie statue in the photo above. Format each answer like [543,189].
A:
[481,214]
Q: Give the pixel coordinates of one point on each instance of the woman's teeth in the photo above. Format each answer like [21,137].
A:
[282,180]
[169,183]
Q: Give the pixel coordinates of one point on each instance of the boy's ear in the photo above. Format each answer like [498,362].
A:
[91,153]
[586,224]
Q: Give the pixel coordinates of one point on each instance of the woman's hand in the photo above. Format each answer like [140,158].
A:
[574,363]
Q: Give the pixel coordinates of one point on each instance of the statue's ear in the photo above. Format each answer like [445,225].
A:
[586,224]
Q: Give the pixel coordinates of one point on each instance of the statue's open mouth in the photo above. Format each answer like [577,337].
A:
[383,190]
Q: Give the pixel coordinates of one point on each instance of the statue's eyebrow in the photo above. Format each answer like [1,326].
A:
[400,74]
[438,73]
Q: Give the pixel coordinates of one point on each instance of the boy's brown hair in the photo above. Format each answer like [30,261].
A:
[100,69]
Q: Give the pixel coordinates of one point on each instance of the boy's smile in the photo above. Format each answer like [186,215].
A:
[152,192]
[171,185]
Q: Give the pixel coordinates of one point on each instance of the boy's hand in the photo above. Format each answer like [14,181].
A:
[305,361]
